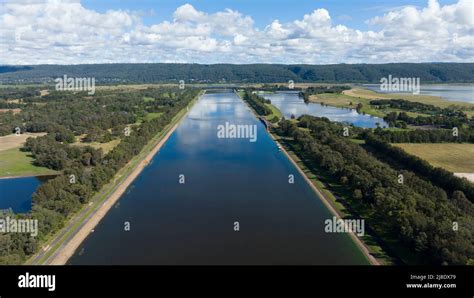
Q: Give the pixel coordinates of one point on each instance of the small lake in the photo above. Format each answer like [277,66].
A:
[290,103]
[15,193]
[451,92]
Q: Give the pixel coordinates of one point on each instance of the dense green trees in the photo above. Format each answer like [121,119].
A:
[414,212]
[322,89]
[435,116]
[231,73]
[67,113]
[257,103]
[438,176]
[463,135]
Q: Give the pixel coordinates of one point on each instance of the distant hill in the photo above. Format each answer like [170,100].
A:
[13,68]
[241,73]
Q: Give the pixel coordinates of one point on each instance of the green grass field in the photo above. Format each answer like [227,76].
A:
[148,99]
[457,158]
[275,112]
[106,147]
[346,101]
[151,116]
[14,162]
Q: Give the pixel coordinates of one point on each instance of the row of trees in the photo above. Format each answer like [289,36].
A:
[257,103]
[457,135]
[438,176]
[415,212]
[338,89]
[401,119]
[275,87]
[435,116]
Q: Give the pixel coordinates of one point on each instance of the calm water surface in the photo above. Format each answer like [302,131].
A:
[289,103]
[226,180]
[16,193]
[451,92]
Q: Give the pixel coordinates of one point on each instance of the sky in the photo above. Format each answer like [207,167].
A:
[231,31]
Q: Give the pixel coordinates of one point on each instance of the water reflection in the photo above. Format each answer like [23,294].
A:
[226,180]
[289,103]
[451,92]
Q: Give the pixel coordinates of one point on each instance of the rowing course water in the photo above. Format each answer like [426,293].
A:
[225,181]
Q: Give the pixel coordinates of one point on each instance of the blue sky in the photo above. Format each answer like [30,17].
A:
[231,31]
[351,13]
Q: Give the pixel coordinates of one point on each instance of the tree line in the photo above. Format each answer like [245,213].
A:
[458,135]
[257,103]
[338,89]
[436,116]
[438,176]
[240,73]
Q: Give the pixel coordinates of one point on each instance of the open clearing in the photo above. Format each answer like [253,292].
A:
[456,158]
[14,111]
[16,163]
[15,141]
[346,101]
[106,147]
[151,116]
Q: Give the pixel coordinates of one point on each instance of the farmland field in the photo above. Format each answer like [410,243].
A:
[457,158]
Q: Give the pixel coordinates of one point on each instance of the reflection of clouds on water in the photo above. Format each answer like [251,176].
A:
[291,103]
[200,126]
[203,108]
[222,105]
[451,92]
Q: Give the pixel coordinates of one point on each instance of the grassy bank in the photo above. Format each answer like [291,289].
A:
[275,112]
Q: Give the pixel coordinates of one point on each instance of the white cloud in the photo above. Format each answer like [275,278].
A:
[188,13]
[65,32]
